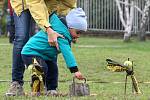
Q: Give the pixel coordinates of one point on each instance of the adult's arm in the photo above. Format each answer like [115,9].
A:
[39,12]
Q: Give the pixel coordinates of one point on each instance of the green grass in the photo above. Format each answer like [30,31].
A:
[91,54]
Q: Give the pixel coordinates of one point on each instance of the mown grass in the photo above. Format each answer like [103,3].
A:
[91,54]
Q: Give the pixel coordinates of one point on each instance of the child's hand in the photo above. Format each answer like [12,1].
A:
[78,75]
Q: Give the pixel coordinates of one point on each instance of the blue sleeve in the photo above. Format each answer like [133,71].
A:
[67,53]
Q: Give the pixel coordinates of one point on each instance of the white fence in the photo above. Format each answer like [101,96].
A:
[103,15]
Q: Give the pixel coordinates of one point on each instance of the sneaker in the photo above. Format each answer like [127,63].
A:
[55,93]
[15,89]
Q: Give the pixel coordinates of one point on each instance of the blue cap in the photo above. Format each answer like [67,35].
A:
[76,19]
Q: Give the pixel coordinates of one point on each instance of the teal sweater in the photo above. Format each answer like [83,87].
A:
[38,44]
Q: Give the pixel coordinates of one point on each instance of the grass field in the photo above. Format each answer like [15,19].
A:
[91,54]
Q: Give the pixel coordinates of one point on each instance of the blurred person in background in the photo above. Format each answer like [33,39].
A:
[1,14]
[10,23]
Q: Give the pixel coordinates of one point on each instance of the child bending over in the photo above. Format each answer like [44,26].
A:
[38,46]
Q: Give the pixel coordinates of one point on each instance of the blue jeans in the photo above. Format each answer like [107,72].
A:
[50,70]
[22,30]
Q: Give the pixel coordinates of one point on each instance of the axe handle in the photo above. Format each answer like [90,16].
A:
[135,85]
